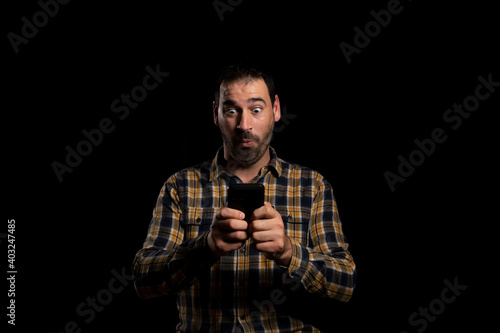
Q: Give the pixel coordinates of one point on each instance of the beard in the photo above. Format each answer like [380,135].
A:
[248,155]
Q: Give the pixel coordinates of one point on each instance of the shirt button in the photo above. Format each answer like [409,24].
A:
[242,250]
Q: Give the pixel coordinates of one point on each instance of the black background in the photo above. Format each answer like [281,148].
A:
[351,123]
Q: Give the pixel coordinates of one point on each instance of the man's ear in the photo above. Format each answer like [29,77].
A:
[216,113]
[277,109]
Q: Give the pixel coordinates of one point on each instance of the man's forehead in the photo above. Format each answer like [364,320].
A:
[246,87]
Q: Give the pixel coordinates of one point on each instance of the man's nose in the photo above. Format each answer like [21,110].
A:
[246,121]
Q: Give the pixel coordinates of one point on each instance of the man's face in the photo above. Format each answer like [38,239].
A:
[246,119]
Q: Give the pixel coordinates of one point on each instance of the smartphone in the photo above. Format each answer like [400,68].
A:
[246,198]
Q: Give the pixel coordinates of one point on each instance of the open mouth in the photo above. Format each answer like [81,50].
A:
[246,142]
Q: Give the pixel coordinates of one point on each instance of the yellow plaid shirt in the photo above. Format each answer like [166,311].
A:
[243,291]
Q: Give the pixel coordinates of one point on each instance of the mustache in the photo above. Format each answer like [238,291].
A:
[248,136]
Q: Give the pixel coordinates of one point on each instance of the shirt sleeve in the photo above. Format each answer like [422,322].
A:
[326,268]
[167,263]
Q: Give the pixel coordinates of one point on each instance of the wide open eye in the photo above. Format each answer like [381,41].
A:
[257,109]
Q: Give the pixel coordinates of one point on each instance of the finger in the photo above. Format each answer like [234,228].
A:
[232,225]
[262,212]
[265,247]
[234,236]
[263,236]
[224,247]
[228,247]
[229,213]
[259,225]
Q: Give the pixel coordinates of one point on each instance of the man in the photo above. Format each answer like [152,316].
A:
[234,276]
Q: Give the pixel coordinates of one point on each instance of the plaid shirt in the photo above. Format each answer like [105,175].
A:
[243,291]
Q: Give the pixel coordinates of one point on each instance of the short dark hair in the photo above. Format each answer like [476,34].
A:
[249,73]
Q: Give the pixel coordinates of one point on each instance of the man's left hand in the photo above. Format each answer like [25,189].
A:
[268,234]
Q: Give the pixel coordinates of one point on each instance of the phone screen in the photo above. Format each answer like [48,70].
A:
[246,198]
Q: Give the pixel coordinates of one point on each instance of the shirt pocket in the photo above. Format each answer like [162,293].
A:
[296,222]
[197,221]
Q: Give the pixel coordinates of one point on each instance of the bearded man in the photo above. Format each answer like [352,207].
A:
[231,275]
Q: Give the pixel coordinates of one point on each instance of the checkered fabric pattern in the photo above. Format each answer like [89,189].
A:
[243,291]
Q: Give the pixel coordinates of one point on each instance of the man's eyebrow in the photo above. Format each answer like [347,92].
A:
[230,102]
[256,99]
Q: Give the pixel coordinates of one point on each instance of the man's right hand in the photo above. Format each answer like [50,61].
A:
[228,231]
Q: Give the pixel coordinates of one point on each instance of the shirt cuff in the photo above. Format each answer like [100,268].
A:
[193,253]
[300,259]
[203,253]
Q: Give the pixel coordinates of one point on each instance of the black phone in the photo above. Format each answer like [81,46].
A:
[246,198]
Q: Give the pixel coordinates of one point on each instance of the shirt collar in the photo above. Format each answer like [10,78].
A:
[218,166]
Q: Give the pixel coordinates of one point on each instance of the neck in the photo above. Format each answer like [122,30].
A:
[246,172]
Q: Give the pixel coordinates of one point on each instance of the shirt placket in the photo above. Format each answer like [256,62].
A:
[241,285]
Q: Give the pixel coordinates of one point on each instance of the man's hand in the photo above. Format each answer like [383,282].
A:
[228,231]
[268,234]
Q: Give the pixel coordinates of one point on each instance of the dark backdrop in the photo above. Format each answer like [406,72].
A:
[348,120]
